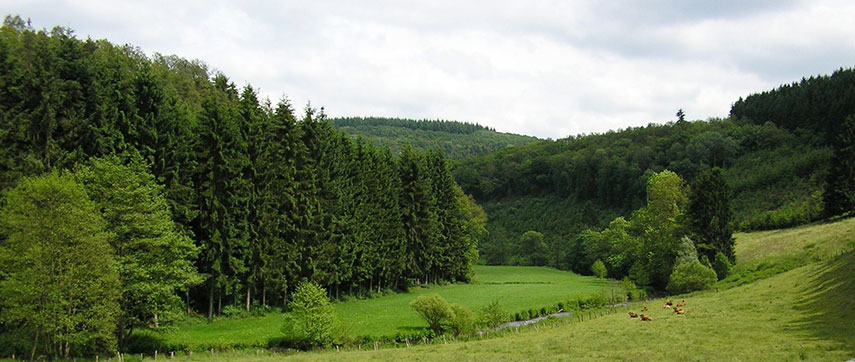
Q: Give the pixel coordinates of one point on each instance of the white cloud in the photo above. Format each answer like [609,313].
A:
[541,68]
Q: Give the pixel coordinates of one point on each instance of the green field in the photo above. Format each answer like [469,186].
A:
[805,313]
[516,288]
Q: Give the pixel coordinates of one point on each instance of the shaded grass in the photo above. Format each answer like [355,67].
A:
[517,289]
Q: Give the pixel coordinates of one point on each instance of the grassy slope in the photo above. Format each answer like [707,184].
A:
[517,289]
[804,313]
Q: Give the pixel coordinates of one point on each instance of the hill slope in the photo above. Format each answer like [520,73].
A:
[455,139]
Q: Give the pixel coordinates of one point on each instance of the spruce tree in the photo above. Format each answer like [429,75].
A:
[839,194]
[709,215]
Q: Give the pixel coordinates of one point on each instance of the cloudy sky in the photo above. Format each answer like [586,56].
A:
[542,68]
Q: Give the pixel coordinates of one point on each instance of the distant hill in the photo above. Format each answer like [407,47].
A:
[456,139]
[776,168]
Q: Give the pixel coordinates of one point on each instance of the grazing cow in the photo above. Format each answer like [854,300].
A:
[646,318]
[681,303]
[633,315]
[666,305]
[644,309]
[679,311]
[670,303]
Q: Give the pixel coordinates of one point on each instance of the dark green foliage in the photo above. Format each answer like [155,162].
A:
[722,265]
[690,276]
[709,214]
[839,196]
[532,249]
[818,103]
[269,197]
[60,288]
[455,139]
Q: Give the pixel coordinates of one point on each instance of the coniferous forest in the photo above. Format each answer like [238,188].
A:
[192,193]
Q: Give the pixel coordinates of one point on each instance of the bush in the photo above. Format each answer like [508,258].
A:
[722,265]
[311,321]
[433,309]
[231,311]
[690,276]
[461,320]
[492,315]
[599,269]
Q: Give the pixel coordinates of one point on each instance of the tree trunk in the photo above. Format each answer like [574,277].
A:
[264,294]
[33,351]
[211,301]
[248,293]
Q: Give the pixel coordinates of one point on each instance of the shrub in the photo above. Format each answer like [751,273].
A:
[690,276]
[461,320]
[492,315]
[722,265]
[231,311]
[311,321]
[599,269]
[433,309]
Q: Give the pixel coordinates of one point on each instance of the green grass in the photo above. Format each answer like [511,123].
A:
[516,288]
[762,254]
[805,313]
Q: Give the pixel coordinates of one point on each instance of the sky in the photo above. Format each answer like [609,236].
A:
[541,68]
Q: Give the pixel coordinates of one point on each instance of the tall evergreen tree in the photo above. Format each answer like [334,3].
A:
[709,214]
[839,194]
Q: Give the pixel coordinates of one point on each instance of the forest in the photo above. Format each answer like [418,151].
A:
[454,139]
[780,172]
[169,188]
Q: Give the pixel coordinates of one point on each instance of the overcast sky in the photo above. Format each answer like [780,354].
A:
[542,68]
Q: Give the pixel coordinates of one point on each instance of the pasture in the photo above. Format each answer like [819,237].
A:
[516,288]
[801,314]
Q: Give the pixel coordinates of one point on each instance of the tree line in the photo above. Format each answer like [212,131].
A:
[169,165]
[423,124]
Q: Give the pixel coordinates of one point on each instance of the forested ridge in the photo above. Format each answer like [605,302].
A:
[777,163]
[455,139]
[201,196]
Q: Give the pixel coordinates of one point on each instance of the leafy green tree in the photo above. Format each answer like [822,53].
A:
[690,276]
[60,286]
[533,249]
[154,260]
[599,269]
[709,214]
[433,309]
[492,315]
[461,320]
[658,225]
[311,321]
[839,195]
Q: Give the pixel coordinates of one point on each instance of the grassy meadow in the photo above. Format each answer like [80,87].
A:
[517,289]
[805,313]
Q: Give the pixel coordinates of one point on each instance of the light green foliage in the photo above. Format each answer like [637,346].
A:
[154,260]
[689,277]
[686,252]
[599,269]
[60,287]
[461,320]
[492,315]
[311,321]
[434,310]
